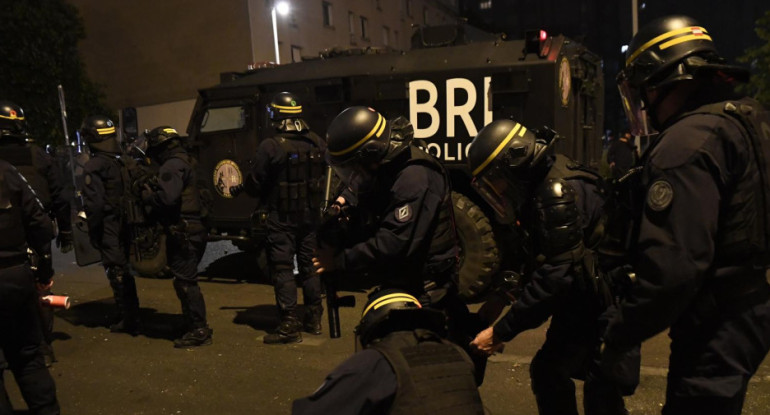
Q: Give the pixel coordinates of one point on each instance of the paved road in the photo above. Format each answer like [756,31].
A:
[103,373]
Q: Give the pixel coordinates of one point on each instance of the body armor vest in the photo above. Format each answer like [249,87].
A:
[300,181]
[434,375]
[560,233]
[444,234]
[11,221]
[560,227]
[26,160]
[113,180]
[191,201]
[744,228]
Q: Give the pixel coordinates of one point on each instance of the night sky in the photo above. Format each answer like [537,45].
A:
[605,25]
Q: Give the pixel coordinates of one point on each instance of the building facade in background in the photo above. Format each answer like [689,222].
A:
[155,55]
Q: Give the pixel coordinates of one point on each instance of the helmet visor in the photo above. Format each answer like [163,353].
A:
[633,105]
[354,175]
[502,193]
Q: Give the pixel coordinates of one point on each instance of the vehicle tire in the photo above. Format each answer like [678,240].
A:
[479,256]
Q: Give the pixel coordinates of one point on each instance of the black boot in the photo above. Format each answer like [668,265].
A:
[196,337]
[312,323]
[126,325]
[124,290]
[288,332]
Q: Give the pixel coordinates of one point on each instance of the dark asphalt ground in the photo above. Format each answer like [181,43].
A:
[103,373]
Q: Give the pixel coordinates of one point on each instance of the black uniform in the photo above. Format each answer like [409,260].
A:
[565,208]
[406,372]
[176,204]
[410,240]
[43,174]
[698,261]
[102,192]
[23,222]
[287,174]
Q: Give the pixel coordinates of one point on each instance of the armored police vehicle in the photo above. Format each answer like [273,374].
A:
[447,87]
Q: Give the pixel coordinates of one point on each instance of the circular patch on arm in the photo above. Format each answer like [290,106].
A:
[660,195]
[87,179]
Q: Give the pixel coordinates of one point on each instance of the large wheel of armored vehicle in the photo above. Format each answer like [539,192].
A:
[479,256]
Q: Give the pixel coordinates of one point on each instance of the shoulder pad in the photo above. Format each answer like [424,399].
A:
[554,191]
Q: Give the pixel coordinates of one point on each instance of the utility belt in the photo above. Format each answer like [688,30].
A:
[13,261]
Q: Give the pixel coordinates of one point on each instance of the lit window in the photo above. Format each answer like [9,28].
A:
[327,13]
[485,5]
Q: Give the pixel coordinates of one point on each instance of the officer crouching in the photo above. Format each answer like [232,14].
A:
[403,365]
[23,223]
[175,202]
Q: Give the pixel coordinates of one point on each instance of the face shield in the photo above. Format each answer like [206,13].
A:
[354,175]
[634,106]
[500,191]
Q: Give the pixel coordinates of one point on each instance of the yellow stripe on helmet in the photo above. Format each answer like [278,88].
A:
[379,127]
[284,107]
[683,39]
[105,131]
[169,131]
[665,36]
[499,148]
[296,111]
[391,298]
[12,117]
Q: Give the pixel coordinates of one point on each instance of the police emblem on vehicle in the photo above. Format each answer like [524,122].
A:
[660,195]
[226,174]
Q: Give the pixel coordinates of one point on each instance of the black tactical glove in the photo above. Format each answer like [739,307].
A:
[236,190]
[64,241]
[44,270]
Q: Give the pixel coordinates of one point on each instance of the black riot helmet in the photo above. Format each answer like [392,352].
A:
[160,136]
[501,159]
[12,123]
[392,310]
[667,50]
[284,105]
[100,134]
[356,139]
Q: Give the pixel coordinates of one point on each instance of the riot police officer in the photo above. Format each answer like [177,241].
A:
[38,167]
[175,202]
[403,365]
[23,223]
[287,174]
[407,240]
[43,174]
[700,236]
[557,206]
[103,188]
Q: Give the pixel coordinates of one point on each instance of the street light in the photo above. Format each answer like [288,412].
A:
[281,8]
